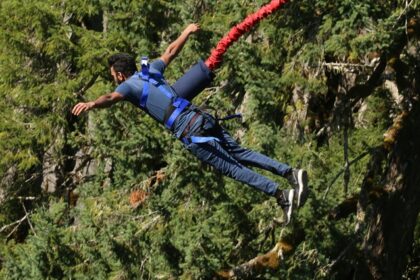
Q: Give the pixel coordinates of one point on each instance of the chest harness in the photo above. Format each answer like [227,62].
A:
[177,106]
[156,79]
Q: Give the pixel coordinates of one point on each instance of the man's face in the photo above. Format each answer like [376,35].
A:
[118,76]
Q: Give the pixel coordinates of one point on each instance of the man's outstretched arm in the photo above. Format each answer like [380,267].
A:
[175,47]
[104,101]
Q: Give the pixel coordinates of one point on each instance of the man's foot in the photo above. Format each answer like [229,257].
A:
[285,200]
[298,178]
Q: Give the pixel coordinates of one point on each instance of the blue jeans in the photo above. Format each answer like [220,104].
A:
[232,160]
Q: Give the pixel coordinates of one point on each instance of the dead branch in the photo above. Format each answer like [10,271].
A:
[27,215]
[81,91]
[404,13]
[142,192]
[269,260]
[26,198]
[18,222]
[359,157]
[346,176]
[345,67]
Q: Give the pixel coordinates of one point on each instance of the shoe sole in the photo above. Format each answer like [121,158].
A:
[290,210]
[303,187]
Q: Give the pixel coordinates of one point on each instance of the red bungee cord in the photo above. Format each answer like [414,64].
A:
[238,30]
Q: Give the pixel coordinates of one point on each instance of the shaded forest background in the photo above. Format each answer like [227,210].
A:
[330,86]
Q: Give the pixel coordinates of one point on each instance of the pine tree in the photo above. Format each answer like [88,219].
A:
[331,86]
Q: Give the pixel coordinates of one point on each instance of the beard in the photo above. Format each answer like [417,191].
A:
[118,82]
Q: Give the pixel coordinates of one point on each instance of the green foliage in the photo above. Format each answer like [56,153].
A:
[195,222]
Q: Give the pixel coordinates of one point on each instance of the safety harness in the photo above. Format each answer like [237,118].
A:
[178,105]
[204,139]
[157,79]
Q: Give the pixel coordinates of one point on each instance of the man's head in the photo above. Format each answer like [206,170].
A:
[122,66]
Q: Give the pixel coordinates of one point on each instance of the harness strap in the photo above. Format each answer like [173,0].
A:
[162,88]
[144,75]
[156,79]
[180,104]
[144,95]
[190,124]
[198,139]
[195,139]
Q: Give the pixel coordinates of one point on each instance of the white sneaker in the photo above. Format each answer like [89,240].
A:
[298,178]
[286,201]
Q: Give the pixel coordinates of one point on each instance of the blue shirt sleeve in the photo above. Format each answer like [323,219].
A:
[158,66]
[124,89]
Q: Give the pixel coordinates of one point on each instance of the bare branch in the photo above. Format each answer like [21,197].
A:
[404,12]
[80,92]
[27,215]
[359,157]
[12,224]
[142,191]
[26,198]
[344,66]
[346,155]
[269,260]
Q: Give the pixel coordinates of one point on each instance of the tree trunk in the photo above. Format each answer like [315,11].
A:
[391,219]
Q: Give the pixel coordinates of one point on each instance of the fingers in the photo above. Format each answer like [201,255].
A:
[79,108]
[76,109]
[194,27]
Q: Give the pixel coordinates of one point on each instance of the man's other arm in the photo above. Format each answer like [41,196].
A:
[104,101]
[175,47]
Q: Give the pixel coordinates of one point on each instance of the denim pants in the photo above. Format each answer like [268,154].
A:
[232,160]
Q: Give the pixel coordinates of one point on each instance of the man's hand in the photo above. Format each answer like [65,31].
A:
[82,107]
[192,28]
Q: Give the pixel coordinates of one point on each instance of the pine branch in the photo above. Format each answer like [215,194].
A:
[394,51]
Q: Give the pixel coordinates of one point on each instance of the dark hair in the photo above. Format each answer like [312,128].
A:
[123,62]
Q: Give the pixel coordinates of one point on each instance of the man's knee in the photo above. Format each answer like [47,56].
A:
[194,81]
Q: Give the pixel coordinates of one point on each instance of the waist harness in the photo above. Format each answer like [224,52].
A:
[178,104]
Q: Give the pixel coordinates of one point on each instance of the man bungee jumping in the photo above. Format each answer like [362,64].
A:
[199,131]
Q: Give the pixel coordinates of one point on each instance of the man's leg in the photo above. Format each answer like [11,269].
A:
[251,158]
[214,154]
[298,178]
[194,81]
